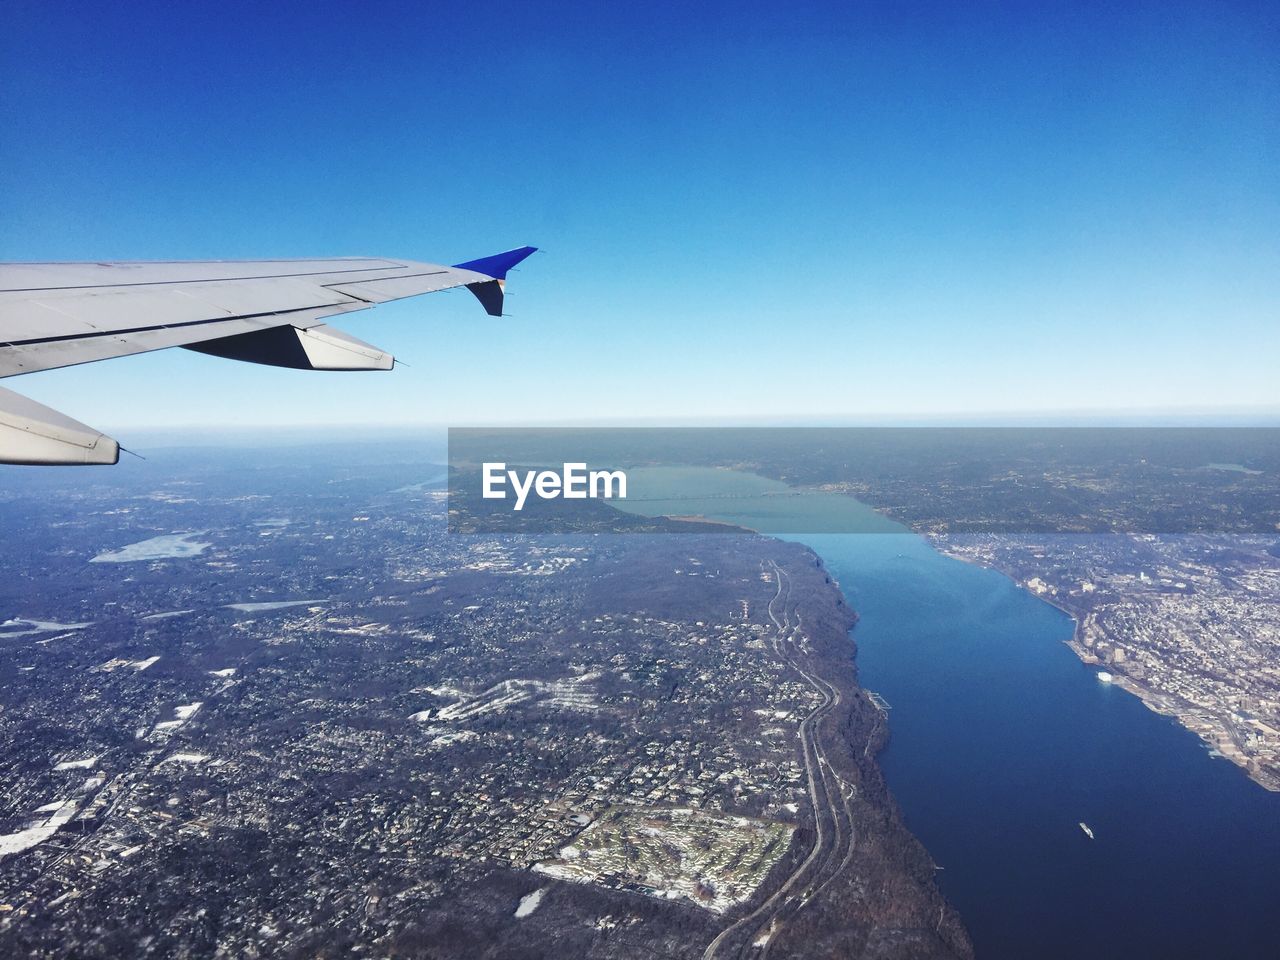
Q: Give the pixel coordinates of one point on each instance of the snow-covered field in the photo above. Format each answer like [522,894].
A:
[119,662]
[181,715]
[85,764]
[38,833]
[185,758]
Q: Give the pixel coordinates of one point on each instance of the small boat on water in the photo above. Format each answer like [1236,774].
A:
[1088,831]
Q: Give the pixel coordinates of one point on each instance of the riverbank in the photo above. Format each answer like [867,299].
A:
[863,861]
[1087,637]
[1002,742]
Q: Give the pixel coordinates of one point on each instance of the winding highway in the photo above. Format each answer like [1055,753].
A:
[835,835]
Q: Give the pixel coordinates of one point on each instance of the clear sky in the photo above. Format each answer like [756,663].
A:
[781,211]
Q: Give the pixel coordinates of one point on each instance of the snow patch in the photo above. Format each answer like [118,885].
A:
[84,764]
[529,902]
[38,834]
[185,758]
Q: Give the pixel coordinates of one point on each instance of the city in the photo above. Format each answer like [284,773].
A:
[637,745]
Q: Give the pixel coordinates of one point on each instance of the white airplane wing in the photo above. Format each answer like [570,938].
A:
[263,311]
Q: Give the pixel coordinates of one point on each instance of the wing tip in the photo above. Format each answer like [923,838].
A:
[497,265]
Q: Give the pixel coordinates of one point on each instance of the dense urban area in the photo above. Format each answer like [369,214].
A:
[269,707]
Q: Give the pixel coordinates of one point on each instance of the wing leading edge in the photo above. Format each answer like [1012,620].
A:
[265,311]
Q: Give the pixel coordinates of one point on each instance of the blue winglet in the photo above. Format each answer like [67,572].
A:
[497,265]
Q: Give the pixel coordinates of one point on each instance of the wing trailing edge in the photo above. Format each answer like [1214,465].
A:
[314,348]
[36,435]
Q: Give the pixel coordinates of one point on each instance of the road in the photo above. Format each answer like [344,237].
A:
[835,835]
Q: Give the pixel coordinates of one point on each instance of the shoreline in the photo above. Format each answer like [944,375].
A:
[1159,703]
[699,518]
[856,731]
[1213,735]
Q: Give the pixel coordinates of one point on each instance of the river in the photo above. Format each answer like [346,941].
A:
[1002,742]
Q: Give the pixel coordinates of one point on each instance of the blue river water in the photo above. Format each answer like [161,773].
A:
[1002,742]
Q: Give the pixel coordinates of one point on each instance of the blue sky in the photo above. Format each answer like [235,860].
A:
[773,212]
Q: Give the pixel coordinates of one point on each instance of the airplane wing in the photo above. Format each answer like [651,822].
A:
[262,311]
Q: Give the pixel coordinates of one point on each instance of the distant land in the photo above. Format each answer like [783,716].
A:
[1162,542]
